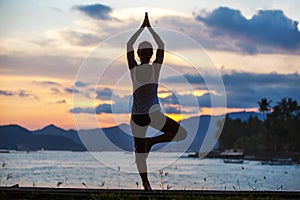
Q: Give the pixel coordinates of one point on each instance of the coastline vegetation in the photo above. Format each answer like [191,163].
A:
[275,136]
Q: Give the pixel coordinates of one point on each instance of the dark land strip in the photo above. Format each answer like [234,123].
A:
[72,193]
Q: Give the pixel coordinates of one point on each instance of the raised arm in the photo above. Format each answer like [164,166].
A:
[161,46]
[130,51]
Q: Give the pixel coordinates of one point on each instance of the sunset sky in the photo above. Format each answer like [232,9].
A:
[254,45]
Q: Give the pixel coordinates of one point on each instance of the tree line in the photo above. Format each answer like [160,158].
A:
[279,131]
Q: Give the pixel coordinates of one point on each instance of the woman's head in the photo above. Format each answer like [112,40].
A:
[145,51]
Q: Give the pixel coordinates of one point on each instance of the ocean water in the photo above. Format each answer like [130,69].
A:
[116,170]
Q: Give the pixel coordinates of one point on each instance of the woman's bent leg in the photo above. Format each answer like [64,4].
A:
[172,130]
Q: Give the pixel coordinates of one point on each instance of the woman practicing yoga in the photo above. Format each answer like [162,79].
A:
[146,110]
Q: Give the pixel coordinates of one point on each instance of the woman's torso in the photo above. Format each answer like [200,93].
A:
[145,85]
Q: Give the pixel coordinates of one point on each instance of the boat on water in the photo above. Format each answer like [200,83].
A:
[193,155]
[232,154]
[279,161]
[4,151]
[233,161]
[227,154]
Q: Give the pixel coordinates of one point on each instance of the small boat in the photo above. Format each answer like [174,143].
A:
[279,161]
[4,151]
[233,161]
[194,155]
[236,154]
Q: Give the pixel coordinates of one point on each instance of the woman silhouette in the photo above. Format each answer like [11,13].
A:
[146,109]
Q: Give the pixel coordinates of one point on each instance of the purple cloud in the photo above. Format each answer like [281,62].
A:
[95,11]
[268,27]
[6,93]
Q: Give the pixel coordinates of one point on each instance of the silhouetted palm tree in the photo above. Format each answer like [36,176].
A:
[286,108]
[264,106]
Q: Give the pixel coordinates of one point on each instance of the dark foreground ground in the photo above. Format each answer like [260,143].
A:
[67,193]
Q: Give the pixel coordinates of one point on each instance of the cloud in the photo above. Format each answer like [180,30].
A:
[224,29]
[80,38]
[83,110]
[189,100]
[118,105]
[120,108]
[175,110]
[123,105]
[202,33]
[20,93]
[101,108]
[62,66]
[81,84]
[172,110]
[63,101]
[47,83]
[185,77]
[244,89]
[104,94]
[55,90]
[6,93]
[267,27]
[24,93]
[71,90]
[247,48]
[177,99]
[95,11]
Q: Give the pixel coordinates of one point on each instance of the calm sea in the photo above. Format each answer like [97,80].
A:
[117,170]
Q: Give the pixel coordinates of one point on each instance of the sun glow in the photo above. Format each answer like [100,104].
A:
[179,117]
[199,93]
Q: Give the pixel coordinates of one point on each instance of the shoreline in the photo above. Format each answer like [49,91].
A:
[76,193]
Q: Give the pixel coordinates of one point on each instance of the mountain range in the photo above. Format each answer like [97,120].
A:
[202,136]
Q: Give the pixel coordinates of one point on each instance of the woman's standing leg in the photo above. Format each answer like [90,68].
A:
[139,126]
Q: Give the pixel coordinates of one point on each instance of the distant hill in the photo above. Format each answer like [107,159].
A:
[53,130]
[245,115]
[19,138]
[119,138]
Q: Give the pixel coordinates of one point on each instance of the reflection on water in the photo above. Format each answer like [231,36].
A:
[81,169]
